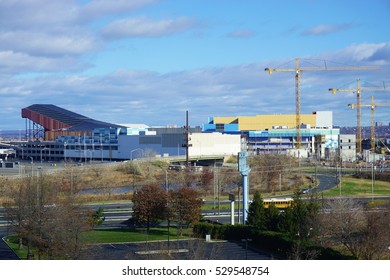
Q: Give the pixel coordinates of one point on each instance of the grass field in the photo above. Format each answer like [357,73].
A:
[129,235]
[13,243]
[360,187]
[101,236]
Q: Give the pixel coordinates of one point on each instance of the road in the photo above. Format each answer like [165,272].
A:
[116,215]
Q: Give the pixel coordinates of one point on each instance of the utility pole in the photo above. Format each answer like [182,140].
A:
[187,139]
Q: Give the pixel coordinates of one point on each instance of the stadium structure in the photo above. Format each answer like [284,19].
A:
[46,122]
[54,134]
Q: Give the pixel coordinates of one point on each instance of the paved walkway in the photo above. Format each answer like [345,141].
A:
[5,252]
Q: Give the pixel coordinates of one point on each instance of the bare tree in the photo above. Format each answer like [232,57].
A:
[376,234]
[206,179]
[347,223]
[268,169]
[45,221]
[185,206]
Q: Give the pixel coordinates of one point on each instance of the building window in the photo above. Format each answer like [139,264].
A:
[220,126]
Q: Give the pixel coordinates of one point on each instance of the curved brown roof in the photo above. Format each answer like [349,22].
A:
[54,118]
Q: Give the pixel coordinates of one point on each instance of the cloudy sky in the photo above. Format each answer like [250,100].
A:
[148,61]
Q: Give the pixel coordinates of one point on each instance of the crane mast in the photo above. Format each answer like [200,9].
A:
[372,106]
[297,70]
[358,91]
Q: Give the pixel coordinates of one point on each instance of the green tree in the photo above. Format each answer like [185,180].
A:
[256,212]
[98,216]
[272,217]
[300,220]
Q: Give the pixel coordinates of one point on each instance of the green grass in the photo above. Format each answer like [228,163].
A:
[100,236]
[13,243]
[359,187]
[130,235]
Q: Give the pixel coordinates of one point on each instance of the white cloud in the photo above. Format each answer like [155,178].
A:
[40,43]
[100,8]
[45,36]
[145,27]
[160,99]
[18,63]
[241,33]
[364,53]
[31,14]
[325,29]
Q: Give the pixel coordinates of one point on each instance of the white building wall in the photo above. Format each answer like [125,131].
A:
[347,144]
[324,119]
[210,144]
[203,144]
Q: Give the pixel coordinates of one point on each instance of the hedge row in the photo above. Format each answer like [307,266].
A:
[276,243]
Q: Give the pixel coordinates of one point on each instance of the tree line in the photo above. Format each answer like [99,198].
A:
[356,229]
[152,203]
[45,216]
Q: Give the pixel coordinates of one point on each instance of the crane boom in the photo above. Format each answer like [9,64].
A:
[298,69]
[358,91]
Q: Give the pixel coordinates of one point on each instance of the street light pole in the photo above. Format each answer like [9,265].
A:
[32,167]
[168,216]
[138,149]
[372,181]
[45,149]
[65,144]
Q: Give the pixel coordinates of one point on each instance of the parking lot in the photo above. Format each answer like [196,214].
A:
[192,249]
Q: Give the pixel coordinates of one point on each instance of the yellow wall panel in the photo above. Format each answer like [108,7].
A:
[262,122]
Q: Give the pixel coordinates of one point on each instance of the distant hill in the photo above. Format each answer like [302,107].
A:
[12,134]
[380,131]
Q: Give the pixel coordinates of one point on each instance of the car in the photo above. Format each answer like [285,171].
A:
[304,191]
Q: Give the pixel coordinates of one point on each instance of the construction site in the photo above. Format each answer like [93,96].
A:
[53,133]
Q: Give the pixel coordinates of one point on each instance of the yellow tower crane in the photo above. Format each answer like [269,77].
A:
[358,91]
[297,70]
[372,106]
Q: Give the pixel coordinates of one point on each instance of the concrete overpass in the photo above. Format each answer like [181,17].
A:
[198,160]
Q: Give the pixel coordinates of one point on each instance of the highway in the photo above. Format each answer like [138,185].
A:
[117,213]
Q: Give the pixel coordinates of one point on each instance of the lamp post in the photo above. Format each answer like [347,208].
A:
[32,167]
[132,151]
[45,149]
[246,246]
[168,212]
[65,145]
[372,180]
[101,147]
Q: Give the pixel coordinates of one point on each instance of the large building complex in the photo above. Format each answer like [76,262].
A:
[54,133]
[322,119]
[278,134]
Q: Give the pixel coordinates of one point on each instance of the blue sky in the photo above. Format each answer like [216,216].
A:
[148,61]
